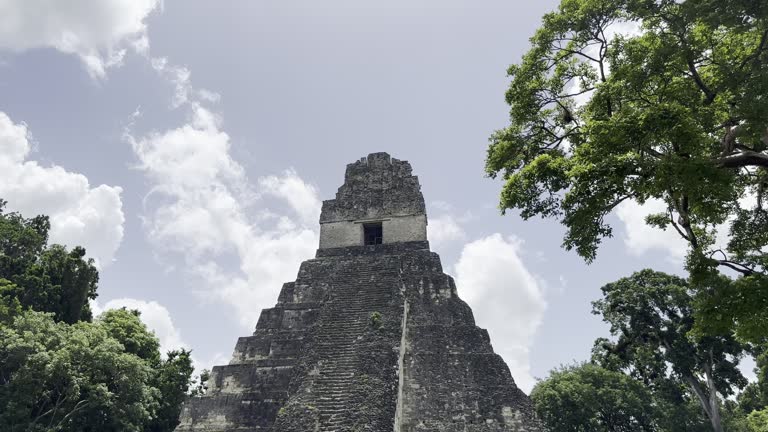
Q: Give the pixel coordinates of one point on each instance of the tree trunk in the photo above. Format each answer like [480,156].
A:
[714,402]
[711,409]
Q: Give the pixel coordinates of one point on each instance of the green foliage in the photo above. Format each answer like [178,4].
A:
[739,305]
[675,112]
[753,401]
[657,374]
[200,384]
[758,421]
[750,398]
[590,398]
[58,370]
[9,303]
[125,326]
[81,377]
[762,374]
[375,320]
[44,278]
[651,314]
[677,409]
[56,376]
[21,240]
[173,381]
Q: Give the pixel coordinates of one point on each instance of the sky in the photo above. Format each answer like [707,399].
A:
[188,146]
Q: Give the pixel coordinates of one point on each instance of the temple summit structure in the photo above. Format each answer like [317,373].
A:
[371,336]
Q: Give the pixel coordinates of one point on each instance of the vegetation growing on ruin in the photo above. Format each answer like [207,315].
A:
[375,320]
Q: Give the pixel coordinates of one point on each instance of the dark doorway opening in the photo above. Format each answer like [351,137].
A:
[373,234]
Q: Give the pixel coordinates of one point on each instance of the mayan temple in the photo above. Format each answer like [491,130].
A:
[371,336]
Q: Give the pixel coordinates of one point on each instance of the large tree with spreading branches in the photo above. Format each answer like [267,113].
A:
[663,100]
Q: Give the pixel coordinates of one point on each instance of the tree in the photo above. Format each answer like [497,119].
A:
[58,370]
[9,303]
[21,240]
[171,376]
[739,305]
[56,376]
[674,112]
[88,376]
[126,327]
[44,278]
[753,401]
[173,381]
[651,315]
[200,384]
[758,421]
[587,397]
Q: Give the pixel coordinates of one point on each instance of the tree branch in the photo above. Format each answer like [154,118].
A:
[756,55]
[685,220]
[78,406]
[743,159]
[738,267]
[710,95]
[579,53]
[675,226]
[741,268]
[613,205]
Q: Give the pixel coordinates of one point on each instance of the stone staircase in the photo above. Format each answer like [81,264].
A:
[362,287]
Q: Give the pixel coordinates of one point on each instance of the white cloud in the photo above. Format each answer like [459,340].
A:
[199,207]
[202,208]
[640,237]
[82,215]
[154,315]
[300,196]
[626,29]
[99,32]
[215,359]
[180,78]
[442,206]
[158,319]
[446,227]
[443,229]
[505,297]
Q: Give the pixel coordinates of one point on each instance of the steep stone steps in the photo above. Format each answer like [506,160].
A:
[364,286]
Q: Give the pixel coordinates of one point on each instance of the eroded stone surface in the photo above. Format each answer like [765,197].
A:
[368,338]
[376,188]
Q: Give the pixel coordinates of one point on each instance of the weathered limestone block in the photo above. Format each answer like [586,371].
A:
[376,189]
[452,378]
[369,337]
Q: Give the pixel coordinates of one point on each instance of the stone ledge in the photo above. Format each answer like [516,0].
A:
[381,249]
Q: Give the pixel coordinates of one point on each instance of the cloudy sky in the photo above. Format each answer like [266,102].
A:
[187,144]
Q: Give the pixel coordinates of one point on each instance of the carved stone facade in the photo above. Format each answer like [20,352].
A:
[369,337]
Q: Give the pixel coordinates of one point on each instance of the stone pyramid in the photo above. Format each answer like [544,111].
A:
[370,337]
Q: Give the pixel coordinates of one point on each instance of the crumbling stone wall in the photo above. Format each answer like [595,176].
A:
[376,188]
[452,379]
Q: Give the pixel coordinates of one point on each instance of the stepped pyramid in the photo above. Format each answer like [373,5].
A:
[370,337]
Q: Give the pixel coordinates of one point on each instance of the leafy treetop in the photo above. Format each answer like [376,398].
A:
[680,116]
[41,277]
[675,111]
